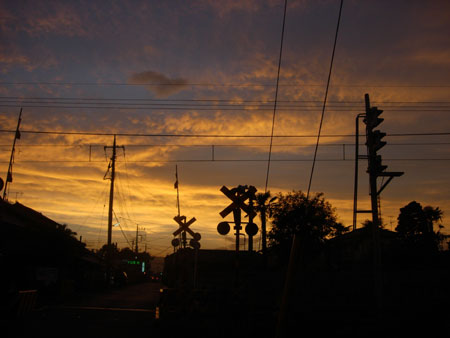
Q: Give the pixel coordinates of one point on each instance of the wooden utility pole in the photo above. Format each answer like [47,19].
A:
[11,160]
[137,237]
[112,166]
[111,191]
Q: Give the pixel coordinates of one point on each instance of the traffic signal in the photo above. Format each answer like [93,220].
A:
[374,141]
[372,120]
[378,169]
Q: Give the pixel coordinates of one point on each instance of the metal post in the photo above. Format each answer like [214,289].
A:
[178,192]
[355,191]
[195,266]
[11,160]
[250,220]
[137,234]
[375,221]
[263,230]
[237,225]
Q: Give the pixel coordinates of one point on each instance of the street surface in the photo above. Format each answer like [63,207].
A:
[118,312]
[130,311]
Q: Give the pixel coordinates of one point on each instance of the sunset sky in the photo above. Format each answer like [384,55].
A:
[203,73]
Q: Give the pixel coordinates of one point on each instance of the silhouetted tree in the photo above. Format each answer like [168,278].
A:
[126,253]
[368,224]
[65,229]
[312,219]
[416,225]
[105,250]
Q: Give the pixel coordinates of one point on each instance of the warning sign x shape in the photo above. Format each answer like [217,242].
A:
[184,226]
[238,201]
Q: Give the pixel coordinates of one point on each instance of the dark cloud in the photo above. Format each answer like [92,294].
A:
[158,83]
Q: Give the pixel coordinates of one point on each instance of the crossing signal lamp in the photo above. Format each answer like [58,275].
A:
[374,140]
[372,118]
[377,167]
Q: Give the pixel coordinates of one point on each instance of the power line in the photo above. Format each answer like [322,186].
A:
[210,84]
[276,96]
[208,135]
[227,160]
[18,98]
[246,145]
[325,99]
[203,108]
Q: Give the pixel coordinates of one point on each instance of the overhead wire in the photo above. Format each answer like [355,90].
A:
[210,84]
[224,145]
[230,160]
[83,223]
[215,108]
[233,160]
[293,256]
[84,133]
[276,96]
[243,145]
[203,100]
[127,178]
[325,99]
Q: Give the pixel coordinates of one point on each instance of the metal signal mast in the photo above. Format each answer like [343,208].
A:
[376,168]
[9,178]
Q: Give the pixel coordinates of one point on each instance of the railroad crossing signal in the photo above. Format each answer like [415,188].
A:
[238,196]
[184,227]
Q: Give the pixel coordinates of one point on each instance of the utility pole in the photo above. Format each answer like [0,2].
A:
[111,191]
[137,237]
[112,166]
[11,160]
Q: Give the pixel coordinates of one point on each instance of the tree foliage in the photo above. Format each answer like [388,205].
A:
[123,254]
[417,225]
[264,201]
[313,219]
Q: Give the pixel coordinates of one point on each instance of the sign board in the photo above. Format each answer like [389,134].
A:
[184,226]
[238,199]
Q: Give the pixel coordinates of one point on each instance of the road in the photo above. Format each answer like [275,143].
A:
[130,312]
[120,312]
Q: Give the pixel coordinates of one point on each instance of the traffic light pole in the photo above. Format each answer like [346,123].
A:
[372,174]
[374,206]
[355,187]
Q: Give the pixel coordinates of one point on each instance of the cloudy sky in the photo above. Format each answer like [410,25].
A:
[192,84]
